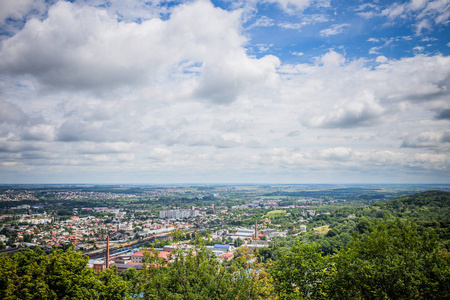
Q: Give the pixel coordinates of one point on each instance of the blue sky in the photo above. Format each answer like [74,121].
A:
[277,91]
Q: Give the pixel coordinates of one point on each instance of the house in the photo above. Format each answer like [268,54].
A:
[138,257]
[227,256]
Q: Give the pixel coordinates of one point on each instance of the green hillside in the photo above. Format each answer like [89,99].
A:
[430,205]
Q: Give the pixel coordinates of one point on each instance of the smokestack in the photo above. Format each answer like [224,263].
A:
[107,252]
[256,229]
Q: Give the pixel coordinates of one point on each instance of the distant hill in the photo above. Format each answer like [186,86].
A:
[427,205]
[428,209]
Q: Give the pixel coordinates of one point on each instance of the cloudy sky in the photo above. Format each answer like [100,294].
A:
[269,91]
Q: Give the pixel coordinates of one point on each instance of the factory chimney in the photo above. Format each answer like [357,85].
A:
[107,252]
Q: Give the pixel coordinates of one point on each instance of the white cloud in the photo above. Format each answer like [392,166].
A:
[292,6]
[339,153]
[262,21]
[426,139]
[425,14]
[394,11]
[374,50]
[294,26]
[40,132]
[362,110]
[423,24]
[85,48]
[180,98]
[382,59]
[17,9]
[264,47]
[333,30]
[417,4]
[418,49]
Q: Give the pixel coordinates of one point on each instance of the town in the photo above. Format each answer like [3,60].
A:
[114,225]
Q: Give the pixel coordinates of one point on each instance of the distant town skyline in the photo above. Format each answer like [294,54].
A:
[271,91]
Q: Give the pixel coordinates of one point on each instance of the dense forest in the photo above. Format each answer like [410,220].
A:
[396,249]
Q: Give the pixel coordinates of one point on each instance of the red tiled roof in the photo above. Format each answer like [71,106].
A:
[162,254]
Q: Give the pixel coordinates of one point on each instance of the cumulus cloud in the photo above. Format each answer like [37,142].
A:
[86,48]
[181,94]
[339,153]
[354,113]
[224,80]
[329,98]
[426,139]
[17,9]
[41,132]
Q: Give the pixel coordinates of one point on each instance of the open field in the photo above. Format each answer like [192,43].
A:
[323,229]
[276,213]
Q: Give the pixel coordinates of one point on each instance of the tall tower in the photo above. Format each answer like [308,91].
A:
[256,229]
[107,252]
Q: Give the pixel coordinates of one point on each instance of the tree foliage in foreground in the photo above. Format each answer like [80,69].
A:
[393,260]
[200,276]
[31,275]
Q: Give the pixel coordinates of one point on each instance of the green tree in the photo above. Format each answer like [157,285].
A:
[198,275]
[238,242]
[363,225]
[26,280]
[111,287]
[300,273]
[33,275]
[392,261]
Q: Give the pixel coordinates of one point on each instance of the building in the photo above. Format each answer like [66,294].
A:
[222,248]
[178,213]
[227,256]
[245,233]
[138,257]
[256,244]
[99,266]
[123,267]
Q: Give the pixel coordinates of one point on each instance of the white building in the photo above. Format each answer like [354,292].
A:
[178,213]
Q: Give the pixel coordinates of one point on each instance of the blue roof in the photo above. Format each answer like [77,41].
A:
[221,246]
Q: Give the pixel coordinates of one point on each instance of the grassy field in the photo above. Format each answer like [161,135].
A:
[323,229]
[276,213]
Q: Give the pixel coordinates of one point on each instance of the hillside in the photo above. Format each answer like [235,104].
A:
[426,206]
[438,199]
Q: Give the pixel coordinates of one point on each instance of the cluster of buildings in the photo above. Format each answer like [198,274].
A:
[70,195]
[12,195]
[137,258]
[84,232]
